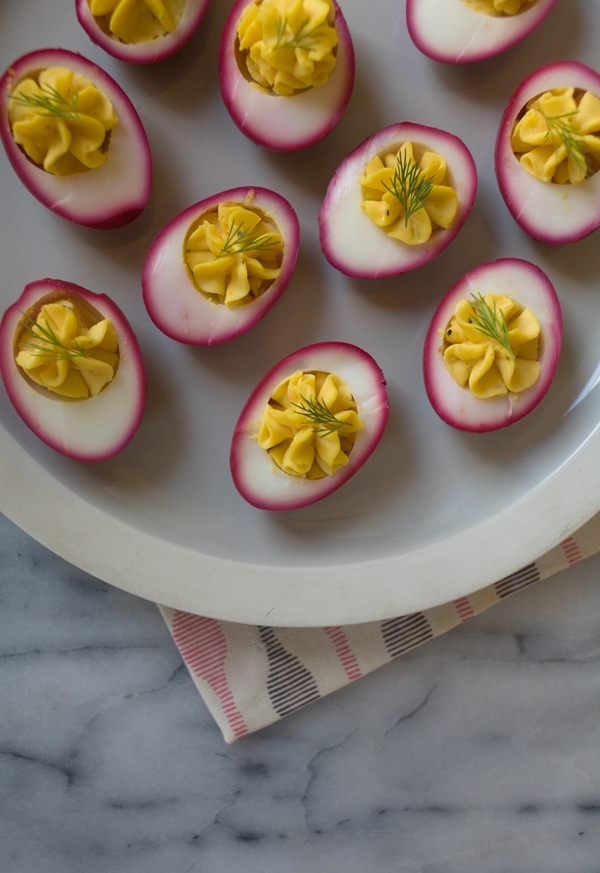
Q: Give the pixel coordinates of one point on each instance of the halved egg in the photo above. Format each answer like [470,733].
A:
[493,346]
[217,268]
[462,31]
[74,138]
[286,79]
[547,153]
[308,426]
[397,201]
[73,369]
[141,33]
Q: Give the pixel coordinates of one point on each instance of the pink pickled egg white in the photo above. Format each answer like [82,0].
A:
[352,243]
[150,51]
[285,123]
[528,285]
[451,32]
[546,211]
[255,475]
[175,304]
[87,430]
[108,196]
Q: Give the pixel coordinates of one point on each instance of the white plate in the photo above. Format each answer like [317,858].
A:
[434,514]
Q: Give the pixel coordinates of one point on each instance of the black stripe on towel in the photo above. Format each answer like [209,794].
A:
[290,684]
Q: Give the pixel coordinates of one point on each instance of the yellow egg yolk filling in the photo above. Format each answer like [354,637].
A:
[491,346]
[406,193]
[62,352]
[310,424]
[557,136]
[61,121]
[233,254]
[135,21]
[499,7]
[287,46]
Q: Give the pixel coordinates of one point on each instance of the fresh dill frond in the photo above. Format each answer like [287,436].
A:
[47,344]
[409,185]
[316,411]
[242,239]
[562,129]
[303,38]
[490,322]
[51,102]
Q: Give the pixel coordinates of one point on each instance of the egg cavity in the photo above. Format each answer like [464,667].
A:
[309,425]
[233,253]
[288,45]
[404,194]
[557,136]
[61,121]
[135,21]
[491,345]
[68,349]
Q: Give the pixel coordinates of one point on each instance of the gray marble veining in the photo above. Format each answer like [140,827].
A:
[477,753]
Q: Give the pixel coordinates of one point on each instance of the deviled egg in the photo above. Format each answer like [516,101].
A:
[217,268]
[72,368]
[397,201]
[547,153]
[286,70]
[462,31]
[308,426]
[74,138]
[493,346]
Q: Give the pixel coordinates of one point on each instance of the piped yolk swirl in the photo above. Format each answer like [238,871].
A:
[60,351]
[406,193]
[499,7]
[480,362]
[137,21]
[234,253]
[557,136]
[310,424]
[287,46]
[62,121]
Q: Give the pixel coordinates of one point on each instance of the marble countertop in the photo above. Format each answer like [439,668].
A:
[480,751]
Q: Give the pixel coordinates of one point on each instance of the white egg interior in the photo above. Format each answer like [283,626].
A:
[285,123]
[91,429]
[546,211]
[255,475]
[173,301]
[109,195]
[85,429]
[352,243]
[452,32]
[457,405]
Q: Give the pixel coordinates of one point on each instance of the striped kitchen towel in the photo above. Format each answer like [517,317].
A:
[253,676]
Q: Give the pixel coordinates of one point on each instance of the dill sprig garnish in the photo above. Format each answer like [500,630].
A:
[303,38]
[568,135]
[323,419]
[409,185]
[49,345]
[490,322]
[241,239]
[52,102]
